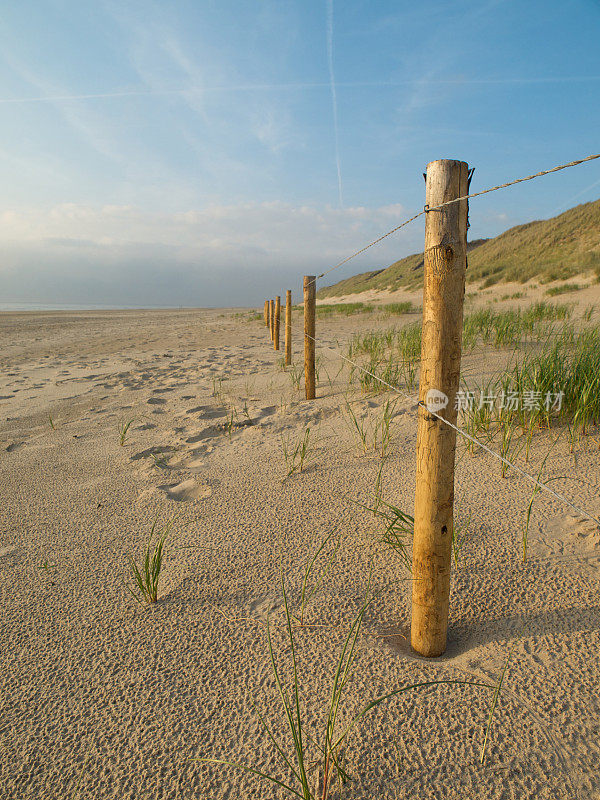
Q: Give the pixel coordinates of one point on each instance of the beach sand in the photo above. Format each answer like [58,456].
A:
[105,698]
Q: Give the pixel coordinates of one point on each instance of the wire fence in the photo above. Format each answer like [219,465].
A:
[536,482]
[470,438]
[427,209]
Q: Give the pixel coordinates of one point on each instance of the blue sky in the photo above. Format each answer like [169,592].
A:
[211,153]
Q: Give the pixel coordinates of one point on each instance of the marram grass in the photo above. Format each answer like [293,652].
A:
[298,777]
[146,577]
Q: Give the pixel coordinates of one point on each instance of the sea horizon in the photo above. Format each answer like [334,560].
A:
[7,307]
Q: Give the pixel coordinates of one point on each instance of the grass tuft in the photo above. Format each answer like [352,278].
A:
[146,577]
[295,456]
[330,769]
[123,431]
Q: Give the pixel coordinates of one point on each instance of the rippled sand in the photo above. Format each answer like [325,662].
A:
[103,698]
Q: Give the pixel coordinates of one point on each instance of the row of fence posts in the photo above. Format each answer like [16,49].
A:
[445,263]
[272,316]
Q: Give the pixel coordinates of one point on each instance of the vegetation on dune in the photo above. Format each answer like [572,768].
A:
[563,289]
[561,363]
[315,767]
[549,250]
[343,308]
[146,578]
[348,309]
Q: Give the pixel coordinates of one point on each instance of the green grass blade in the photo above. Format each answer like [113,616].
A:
[276,743]
[254,772]
[421,685]
[494,701]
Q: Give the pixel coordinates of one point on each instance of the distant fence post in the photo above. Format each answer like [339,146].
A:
[267,313]
[444,273]
[310,298]
[288,327]
[277,322]
[271,315]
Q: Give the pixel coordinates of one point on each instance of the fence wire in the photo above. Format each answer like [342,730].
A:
[427,209]
[463,433]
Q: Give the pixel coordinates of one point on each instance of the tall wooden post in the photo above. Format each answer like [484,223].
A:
[271,320]
[310,298]
[267,313]
[445,266]
[277,322]
[288,327]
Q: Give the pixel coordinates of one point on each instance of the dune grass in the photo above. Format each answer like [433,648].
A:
[296,454]
[551,377]
[299,780]
[513,326]
[392,355]
[124,431]
[564,289]
[358,307]
[399,528]
[398,309]
[558,384]
[548,250]
[375,434]
[146,577]
[347,309]
[295,374]
[313,578]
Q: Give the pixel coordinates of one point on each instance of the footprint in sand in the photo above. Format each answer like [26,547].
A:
[194,464]
[156,401]
[153,451]
[207,433]
[187,491]
[263,606]
[208,412]
[566,534]
[14,446]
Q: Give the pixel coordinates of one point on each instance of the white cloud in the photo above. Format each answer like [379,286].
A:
[233,254]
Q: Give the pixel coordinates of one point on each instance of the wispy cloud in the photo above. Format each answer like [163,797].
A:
[89,127]
[334,105]
[230,254]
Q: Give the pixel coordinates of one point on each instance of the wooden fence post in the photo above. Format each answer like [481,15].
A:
[288,327]
[310,297]
[276,323]
[444,271]
[267,313]
[271,315]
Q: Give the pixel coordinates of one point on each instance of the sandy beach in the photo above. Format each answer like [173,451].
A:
[105,698]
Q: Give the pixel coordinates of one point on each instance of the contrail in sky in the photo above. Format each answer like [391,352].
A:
[265,87]
[333,97]
[566,205]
